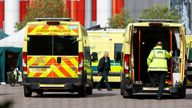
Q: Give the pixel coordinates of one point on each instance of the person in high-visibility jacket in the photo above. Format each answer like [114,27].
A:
[157,66]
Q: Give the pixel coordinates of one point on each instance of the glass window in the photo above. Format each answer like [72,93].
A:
[40,45]
[87,53]
[117,53]
[190,54]
[52,45]
[65,45]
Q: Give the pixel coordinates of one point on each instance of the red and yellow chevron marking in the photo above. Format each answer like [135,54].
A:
[52,30]
[47,67]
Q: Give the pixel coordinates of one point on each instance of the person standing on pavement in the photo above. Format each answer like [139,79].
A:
[103,70]
[157,66]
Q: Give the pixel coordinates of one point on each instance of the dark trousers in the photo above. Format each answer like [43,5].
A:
[158,77]
[104,78]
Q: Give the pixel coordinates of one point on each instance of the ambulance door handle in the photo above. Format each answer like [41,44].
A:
[58,59]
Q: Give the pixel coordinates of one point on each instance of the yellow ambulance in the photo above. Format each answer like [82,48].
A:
[140,38]
[109,40]
[56,57]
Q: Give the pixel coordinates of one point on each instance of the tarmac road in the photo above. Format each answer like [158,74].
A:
[99,99]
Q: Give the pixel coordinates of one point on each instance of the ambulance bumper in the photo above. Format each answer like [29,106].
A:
[70,85]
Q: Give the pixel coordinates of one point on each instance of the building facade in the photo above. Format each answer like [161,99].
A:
[87,12]
[136,7]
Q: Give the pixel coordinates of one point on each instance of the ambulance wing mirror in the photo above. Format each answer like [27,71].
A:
[94,57]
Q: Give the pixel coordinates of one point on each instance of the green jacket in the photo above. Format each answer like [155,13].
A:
[157,59]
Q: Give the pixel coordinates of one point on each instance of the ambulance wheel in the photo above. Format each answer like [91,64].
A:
[27,92]
[182,90]
[127,94]
[89,90]
[82,91]
[121,89]
[40,93]
[121,92]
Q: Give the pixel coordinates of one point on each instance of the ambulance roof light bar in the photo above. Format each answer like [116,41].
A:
[54,19]
[156,20]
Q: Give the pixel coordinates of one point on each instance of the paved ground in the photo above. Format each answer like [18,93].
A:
[99,99]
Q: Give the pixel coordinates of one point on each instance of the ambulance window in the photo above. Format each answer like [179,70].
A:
[65,45]
[176,42]
[117,53]
[190,55]
[87,53]
[40,45]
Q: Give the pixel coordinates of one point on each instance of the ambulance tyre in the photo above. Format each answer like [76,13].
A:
[82,91]
[182,91]
[27,92]
[89,90]
[40,93]
[121,92]
[126,94]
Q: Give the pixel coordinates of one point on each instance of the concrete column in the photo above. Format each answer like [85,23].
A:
[88,13]
[12,14]
[104,12]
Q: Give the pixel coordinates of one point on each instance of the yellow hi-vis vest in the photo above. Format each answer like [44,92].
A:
[157,59]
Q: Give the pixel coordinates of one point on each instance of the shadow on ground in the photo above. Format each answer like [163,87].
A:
[5,94]
[164,97]
[74,95]
[150,96]
[188,96]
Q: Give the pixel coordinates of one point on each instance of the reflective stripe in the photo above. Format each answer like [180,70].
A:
[160,58]
[155,54]
[47,67]
[157,67]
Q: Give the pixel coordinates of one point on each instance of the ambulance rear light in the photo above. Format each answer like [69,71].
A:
[24,56]
[126,63]
[81,64]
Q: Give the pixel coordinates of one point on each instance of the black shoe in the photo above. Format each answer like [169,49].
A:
[109,89]
[158,98]
[99,89]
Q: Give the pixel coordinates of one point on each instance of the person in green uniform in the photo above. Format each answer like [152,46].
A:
[157,66]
